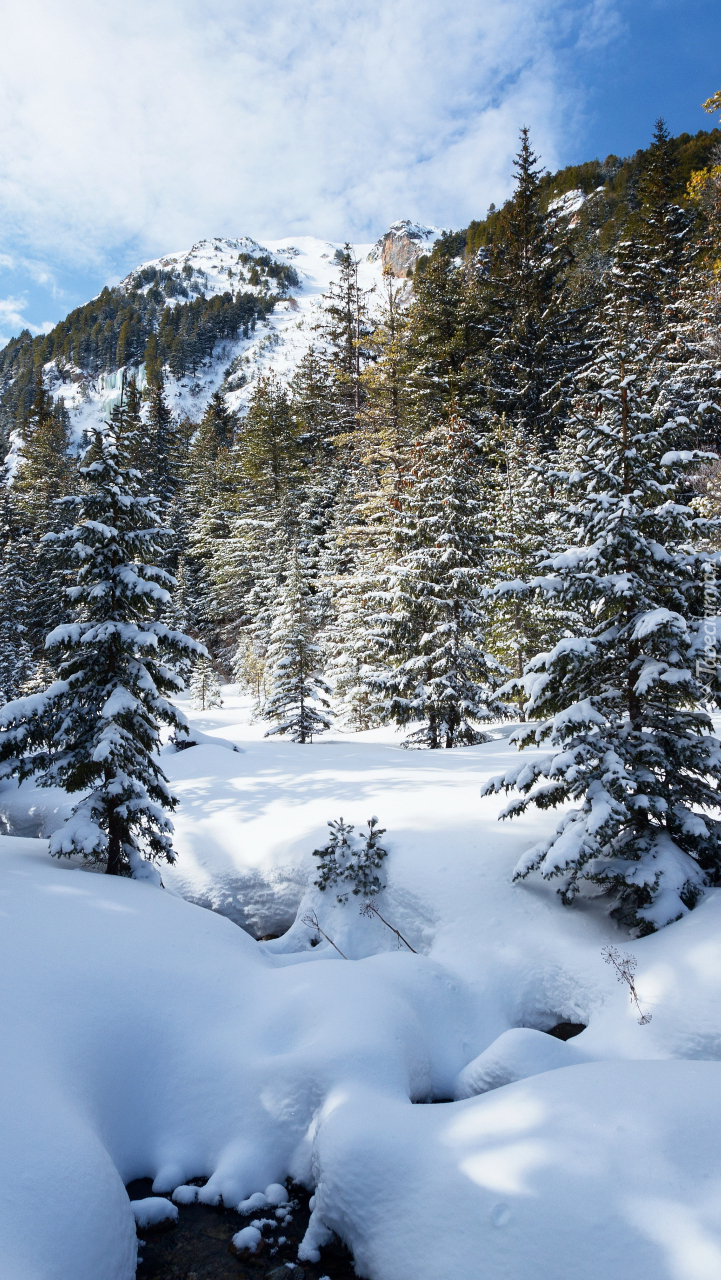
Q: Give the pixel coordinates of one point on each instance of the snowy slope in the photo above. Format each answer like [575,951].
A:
[142,1035]
[277,344]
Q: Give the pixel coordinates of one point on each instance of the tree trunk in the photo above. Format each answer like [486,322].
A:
[115,852]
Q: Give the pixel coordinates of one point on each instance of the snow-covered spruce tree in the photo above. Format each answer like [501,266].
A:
[521,620]
[298,698]
[429,612]
[205,686]
[43,474]
[342,861]
[621,705]
[532,327]
[95,729]
[16,660]
[345,329]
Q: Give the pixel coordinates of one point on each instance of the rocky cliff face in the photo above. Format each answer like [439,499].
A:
[402,245]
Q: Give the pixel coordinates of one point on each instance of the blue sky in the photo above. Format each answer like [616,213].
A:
[133,130]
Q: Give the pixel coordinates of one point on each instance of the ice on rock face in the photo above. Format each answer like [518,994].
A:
[152,1211]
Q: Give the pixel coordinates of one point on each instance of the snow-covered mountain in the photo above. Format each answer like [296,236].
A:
[214,267]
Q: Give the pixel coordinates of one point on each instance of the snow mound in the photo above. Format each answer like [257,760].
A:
[152,1211]
[247,1238]
[605,1171]
[516,1054]
[196,738]
[145,1037]
[275,1194]
[185,1194]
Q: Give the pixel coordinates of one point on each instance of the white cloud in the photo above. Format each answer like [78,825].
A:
[12,319]
[152,124]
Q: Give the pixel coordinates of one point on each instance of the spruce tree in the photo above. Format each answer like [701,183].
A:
[205,686]
[443,341]
[663,222]
[96,728]
[298,698]
[532,341]
[429,621]
[218,423]
[312,398]
[345,329]
[622,704]
[43,476]
[389,421]
[164,448]
[266,449]
[519,480]
[17,666]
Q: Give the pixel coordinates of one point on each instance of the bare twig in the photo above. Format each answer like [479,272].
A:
[625,967]
[370,909]
[311,920]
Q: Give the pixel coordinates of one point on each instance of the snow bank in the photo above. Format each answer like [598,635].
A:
[603,1171]
[515,1055]
[145,1036]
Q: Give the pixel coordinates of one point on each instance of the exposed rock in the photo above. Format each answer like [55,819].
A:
[402,245]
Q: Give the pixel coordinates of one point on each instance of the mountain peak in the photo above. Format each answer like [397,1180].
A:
[402,245]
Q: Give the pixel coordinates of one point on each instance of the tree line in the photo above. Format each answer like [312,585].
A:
[496,498]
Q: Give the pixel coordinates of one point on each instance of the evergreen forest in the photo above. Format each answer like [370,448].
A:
[492,494]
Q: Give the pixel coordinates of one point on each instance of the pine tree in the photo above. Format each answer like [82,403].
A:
[127,418]
[298,699]
[345,330]
[522,621]
[205,686]
[343,862]
[663,223]
[430,618]
[312,399]
[266,450]
[622,705]
[164,448]
[42,478]
[443,341]
[218,423]
[348,570]
[16,659]
[533,332]
[95,729]
[389,421]
[153,363]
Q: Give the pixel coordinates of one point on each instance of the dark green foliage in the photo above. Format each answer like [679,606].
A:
[126,327]
[619,180]
[96,729]
[343,862]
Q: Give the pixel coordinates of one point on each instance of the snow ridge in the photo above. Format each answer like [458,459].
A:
[213,267]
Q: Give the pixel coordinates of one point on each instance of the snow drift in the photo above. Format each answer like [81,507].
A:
[144,1035]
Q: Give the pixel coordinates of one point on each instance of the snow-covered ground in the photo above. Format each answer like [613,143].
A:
[145,1035]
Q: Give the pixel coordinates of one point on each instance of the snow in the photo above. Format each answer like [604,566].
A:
[152,1211]
[569,203]
[143,1035]
[277,343]
[247,1238]
[515,1055]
